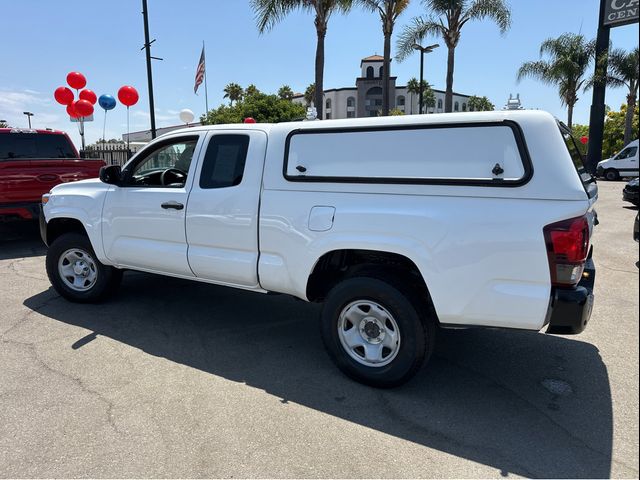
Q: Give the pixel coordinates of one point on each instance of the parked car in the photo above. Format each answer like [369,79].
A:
[623,164]
[636,234]
[398,225]
[630,192]
[31,163]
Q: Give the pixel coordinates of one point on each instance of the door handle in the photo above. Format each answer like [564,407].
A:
[172,204]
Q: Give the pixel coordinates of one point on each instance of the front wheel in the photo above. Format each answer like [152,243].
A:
[75,272]
[374,332]
[611,174]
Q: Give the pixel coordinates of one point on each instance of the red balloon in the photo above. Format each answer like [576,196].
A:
[584,139]
[249,120]
[71,110]
[89,96]
[63,95]
[76,80]
[128,95]
[84,108]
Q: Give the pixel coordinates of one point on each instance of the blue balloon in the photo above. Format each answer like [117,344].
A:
[107,102]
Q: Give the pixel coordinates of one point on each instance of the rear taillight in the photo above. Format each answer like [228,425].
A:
[567,248]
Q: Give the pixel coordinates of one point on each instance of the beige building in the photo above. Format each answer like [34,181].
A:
[365,99]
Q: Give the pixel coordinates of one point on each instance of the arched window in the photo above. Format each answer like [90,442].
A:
[373,101]
[381,71]
[351,102]
[456,107]
[369,72]
[464,107]
[327,103]
[400,101]
[439,104]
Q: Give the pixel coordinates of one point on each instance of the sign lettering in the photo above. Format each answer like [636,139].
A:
[620,12]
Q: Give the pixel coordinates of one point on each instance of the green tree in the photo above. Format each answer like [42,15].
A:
[251,90]
[578,132]
[623,72]
[389,11]
[480,104]
[233,92]
[569,58]
[395,112]
[260,106]
[446,18]
[614,131]
[269,12]
[428,97]
[309,94]
[285,92]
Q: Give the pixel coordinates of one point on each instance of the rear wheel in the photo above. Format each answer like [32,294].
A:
[76,273]
[374,332]
[611,174]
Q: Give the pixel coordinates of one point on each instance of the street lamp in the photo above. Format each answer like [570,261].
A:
[29,115]
[423,50]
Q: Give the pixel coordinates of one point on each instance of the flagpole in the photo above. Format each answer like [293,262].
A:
[206,96]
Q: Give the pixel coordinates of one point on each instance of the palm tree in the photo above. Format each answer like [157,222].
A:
[251,90]
[413,88]
[428,97]
[570,55]
[270,12]
[309,94]
[623,72]
[233,92]
[285,92]
[447,19]
[389,11]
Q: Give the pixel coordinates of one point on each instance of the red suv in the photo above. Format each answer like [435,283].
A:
[31,163]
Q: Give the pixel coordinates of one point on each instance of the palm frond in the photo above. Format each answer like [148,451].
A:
[496,10]
[539,70]
[268,13]
[415,32]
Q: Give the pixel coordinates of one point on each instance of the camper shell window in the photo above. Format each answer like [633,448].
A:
[490,153]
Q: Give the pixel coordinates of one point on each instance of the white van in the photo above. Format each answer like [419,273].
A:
[623,164]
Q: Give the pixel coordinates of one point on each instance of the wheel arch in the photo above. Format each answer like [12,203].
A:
[336,265]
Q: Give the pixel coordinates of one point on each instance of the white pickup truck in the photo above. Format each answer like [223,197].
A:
[399,225]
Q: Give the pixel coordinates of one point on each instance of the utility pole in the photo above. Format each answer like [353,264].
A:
[29,115]
[596,116]
[147,47]
[423,50]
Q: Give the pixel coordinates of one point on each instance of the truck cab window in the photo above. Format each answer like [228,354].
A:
[224,161]
[166,166]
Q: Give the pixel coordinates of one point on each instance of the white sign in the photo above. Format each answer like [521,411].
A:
[84,119]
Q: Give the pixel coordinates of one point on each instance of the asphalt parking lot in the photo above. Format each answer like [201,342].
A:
[179,379]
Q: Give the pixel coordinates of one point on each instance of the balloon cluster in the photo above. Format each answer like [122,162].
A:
[83,107]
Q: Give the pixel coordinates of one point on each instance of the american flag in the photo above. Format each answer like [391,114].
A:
[199,72]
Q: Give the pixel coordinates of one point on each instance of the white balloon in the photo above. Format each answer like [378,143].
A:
[186,115]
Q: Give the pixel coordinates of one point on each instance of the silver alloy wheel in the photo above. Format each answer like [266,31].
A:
[77,269]
[369,333]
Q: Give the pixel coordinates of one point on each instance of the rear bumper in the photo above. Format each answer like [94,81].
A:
[14,211]
[570,309]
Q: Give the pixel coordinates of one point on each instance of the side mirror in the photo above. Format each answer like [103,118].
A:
[111,174]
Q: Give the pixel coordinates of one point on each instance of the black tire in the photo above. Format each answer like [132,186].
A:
[107,278]
[416,329]
[611,174]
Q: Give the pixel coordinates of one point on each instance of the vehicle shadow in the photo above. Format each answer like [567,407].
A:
[20,239]
[523,403]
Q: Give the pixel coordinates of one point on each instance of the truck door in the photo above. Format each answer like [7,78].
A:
[144,217]
[222,213]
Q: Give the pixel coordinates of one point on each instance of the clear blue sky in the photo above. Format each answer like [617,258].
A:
[44,40]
